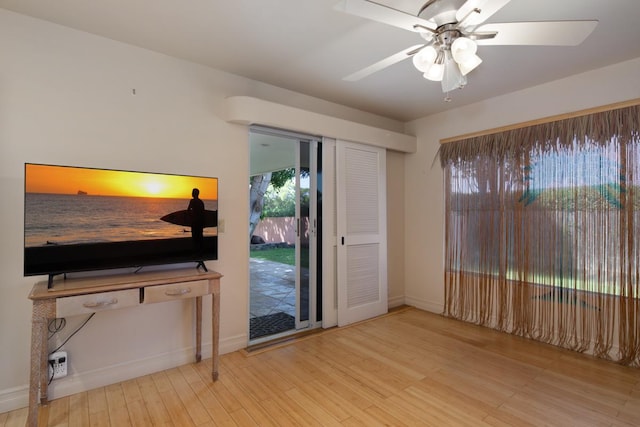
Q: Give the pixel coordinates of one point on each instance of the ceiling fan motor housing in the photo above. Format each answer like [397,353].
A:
[441,12]
[446,35]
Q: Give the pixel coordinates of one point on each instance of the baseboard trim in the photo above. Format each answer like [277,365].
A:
[18,397]
[433,307]
[393,302]
[14,398]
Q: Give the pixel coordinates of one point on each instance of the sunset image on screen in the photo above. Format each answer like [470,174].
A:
[67,180]
[82,219]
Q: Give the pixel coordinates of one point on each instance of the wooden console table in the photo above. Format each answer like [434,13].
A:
[71,297]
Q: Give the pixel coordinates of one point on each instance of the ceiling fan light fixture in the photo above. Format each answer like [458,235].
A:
[469,65]
[425,58]
[427,36]
[463,48]
[452,30]
[434,73]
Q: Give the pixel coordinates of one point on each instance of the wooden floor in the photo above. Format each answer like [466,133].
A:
[407,368]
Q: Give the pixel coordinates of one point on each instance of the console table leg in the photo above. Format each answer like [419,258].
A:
[215,330]
[42,311]
[198,329]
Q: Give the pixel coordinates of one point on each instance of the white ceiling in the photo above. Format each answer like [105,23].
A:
[308,47]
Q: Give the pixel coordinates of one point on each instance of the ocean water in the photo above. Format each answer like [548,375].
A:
[66,219]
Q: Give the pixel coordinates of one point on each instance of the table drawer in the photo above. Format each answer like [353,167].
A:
[175,291]
[91,303]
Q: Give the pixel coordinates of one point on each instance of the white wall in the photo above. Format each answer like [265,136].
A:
[66,97]
[424,203]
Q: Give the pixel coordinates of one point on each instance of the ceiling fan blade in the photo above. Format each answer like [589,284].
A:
[549,33]
[386,62]
[386,15]
[486,8]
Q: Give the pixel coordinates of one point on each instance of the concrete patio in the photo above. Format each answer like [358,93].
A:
[273,288]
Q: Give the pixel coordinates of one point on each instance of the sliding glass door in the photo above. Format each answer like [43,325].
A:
[280,289]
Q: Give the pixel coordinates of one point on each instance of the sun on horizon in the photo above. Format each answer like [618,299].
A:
[101,182]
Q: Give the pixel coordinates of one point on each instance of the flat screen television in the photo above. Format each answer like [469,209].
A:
[81,219]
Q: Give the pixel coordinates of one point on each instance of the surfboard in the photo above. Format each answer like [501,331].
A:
[183,218]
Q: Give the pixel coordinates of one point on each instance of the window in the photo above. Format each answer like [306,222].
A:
[541,227]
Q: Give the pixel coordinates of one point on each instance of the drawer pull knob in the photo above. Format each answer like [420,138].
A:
[177,292]
[100,304]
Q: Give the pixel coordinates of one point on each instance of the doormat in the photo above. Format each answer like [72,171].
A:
[270,324]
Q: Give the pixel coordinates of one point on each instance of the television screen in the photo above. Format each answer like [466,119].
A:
[81,219]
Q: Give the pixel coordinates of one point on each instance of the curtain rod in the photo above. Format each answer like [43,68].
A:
[557,117]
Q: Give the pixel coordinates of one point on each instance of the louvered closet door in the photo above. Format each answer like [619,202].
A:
[361,225]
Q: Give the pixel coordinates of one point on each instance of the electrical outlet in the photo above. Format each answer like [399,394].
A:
[58,364]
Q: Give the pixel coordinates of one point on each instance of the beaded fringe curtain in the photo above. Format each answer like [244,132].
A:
[541,232]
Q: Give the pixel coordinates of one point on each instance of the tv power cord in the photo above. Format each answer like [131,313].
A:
[57,359]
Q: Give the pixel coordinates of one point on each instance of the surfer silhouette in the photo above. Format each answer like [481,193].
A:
[196,212]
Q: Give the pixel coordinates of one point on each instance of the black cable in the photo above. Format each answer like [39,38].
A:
[56,325]
[51,366]
[74,332]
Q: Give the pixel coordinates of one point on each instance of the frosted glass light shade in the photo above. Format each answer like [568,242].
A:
[469,64]
[434,73]
[452,78]
[463,48]
[425,58]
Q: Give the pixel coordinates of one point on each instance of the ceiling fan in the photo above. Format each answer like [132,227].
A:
[452,30]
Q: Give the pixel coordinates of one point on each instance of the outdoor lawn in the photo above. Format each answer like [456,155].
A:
[282,255]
